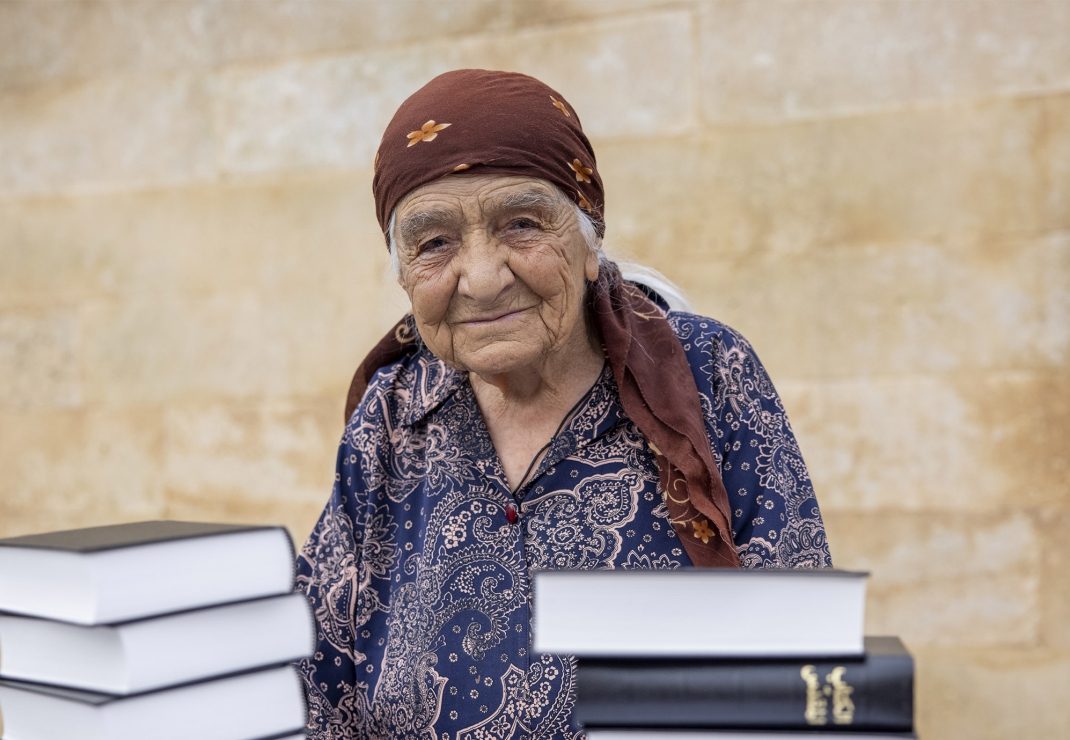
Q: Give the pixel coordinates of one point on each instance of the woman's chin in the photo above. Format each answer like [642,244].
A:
[502,359]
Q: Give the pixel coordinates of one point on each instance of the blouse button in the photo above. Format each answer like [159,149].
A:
[510,514]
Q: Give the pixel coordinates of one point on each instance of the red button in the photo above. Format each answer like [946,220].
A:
[510,514]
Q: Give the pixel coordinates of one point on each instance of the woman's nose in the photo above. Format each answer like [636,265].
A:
[484,268]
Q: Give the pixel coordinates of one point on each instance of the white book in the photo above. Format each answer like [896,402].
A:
[599,734]
[708,612]
[104,575]
[153,653]
[264,704]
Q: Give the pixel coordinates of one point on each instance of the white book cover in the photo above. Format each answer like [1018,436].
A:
[708,612]
[105,575]
[252,706]
[148,654]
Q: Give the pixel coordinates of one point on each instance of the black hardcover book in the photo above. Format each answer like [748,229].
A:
[116,536]
[677,733]
[119,573]
[874,692]
[269,703]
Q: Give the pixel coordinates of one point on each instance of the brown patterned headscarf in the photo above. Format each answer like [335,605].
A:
[474,120]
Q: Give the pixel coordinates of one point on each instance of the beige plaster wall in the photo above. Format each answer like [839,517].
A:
[876,193]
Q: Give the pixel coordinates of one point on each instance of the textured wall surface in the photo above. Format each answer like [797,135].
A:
[876,193]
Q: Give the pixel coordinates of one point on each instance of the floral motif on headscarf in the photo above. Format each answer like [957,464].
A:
[561,106]
[702,530]
[582,173]
[427,132]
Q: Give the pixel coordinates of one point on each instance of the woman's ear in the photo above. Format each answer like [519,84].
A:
[591,265]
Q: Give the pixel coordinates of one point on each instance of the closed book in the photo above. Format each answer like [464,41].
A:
[640,734]
[269,703]
[875,692]
[105,575]
[691,612]
[152,653]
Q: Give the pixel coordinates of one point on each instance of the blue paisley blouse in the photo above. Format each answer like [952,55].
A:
[421,584]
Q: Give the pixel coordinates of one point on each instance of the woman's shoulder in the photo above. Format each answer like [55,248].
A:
[404,391]
[722,360]
[702,335]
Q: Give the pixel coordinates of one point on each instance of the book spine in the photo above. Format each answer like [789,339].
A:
[874,694]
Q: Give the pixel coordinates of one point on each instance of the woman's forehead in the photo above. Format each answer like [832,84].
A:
[478,192]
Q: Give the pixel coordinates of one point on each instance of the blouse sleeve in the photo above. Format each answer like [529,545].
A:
[775,518]
[329,574]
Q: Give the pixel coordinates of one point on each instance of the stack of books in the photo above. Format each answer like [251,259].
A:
[718,654]
[163,630]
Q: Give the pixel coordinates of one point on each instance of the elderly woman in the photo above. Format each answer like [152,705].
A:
[535,410]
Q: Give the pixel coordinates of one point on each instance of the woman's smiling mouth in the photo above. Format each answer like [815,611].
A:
[488,320]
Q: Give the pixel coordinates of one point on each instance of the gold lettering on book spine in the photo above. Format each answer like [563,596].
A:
[816,704]
[843,708]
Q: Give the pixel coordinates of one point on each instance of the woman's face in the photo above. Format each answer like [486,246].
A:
[494,267]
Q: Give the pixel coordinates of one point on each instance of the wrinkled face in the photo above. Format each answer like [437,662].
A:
[494,267]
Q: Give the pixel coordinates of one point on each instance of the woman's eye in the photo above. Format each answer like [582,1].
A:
[522,223]
[432,244]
